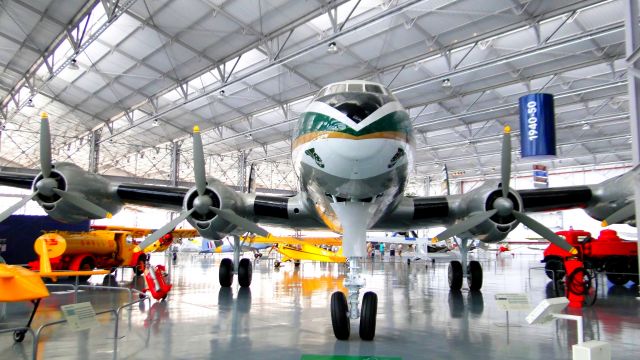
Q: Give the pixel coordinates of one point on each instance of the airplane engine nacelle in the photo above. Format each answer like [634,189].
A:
[209,225]
[73,179]
[610,196]
[484,199]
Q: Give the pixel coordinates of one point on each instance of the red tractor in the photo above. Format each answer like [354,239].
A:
[609,253]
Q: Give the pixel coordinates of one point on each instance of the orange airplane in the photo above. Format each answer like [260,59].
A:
[20,284]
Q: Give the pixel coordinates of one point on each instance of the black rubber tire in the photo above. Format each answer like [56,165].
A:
[296,263]
[617,266]
[368,314]
[474,270]
[225,272]
[554,264]
[86,264]
[339,316]
[455,275]
[141,265]
[245,272]
[276,264]
[18,336]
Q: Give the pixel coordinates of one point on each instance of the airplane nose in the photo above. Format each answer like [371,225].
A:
[358,151]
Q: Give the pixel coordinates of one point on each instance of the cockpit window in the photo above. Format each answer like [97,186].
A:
[321,93]
[337,88]
[354,87]
[373,89]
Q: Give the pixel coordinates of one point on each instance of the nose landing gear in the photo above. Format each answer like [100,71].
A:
[342,311]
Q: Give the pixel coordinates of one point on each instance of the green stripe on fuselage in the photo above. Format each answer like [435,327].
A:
[397,121]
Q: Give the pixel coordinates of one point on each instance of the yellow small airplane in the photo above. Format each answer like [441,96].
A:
[297,249]
[20,284]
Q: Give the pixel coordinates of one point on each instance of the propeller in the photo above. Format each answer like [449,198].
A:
[202,203]
[626,212]
[503,206]
[48,186]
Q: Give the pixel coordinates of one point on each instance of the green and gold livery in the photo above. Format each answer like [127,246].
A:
[354,142]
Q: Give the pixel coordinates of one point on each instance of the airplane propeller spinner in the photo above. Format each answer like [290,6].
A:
[49,184]
[203,202]
[503,206]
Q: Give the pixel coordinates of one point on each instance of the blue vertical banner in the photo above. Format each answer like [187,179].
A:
[537,126]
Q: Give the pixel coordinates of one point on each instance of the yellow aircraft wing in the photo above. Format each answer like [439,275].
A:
[20,284]
[272,239]
[141,232]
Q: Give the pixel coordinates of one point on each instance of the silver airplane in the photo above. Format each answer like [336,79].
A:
[353,151]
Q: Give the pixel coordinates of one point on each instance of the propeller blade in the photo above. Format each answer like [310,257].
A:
[198,162]
[45,145]
[465,225]
[84,204]
[620,215]
[505,166]
[544,232]
[239,221]
[163,231]
[13,208]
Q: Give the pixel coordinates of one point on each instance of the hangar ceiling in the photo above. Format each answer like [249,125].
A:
[131,78]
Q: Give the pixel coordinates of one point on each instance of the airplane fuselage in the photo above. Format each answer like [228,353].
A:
[353,143]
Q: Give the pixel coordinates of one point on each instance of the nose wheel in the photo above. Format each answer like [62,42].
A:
[344,309]
[340,316]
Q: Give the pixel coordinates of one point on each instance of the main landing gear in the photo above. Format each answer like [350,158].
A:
[459,270]
[344,310]
[473,275]
[244,268]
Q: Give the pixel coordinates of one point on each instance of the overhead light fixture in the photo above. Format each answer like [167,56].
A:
[333,48]
[222,93]
[586,126]
[73,65]
[446,83]
[156,122]
[249,136]
[30,103]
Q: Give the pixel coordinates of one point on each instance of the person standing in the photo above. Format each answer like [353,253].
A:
[382,250]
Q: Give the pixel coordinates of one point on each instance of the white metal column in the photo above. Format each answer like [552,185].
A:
[633,74]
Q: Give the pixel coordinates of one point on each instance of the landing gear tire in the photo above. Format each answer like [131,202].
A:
[455,275]
[276,264]
[245,273]
[475,276]
[296,263]
[339,316]
[225,272]
[368,316]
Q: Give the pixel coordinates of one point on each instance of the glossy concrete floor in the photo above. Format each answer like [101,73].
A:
[285,314]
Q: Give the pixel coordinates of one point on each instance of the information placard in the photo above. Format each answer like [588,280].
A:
[513,302]
[79,316]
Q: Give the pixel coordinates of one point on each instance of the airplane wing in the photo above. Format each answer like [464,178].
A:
[265,209]
[478,209]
